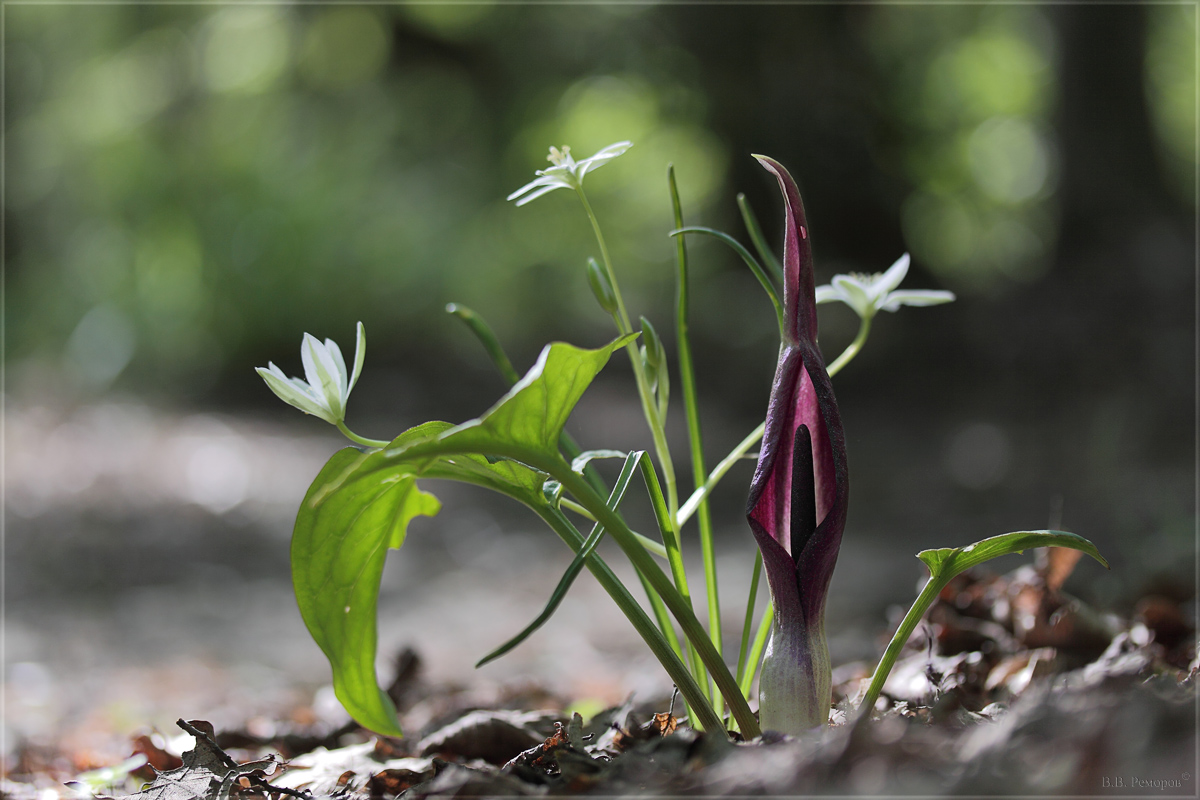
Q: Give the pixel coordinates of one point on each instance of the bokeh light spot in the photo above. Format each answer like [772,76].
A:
[1009,159]
[448,20]
[101,345]
[246,49]
[343,47]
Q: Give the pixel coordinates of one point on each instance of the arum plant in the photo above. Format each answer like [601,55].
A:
[360,505]
[799,494]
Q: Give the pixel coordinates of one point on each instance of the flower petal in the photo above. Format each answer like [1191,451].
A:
[827,294]
[916,297]
[546,189]
[340,364]
[321,374]
[855,295]
[360,355]
[890,279]
[286,391]
[601,158]
[541,180]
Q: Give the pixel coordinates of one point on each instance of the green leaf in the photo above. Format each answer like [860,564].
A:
[574,568]
[947,562]
[361,503]
[944,564]
[751,262]
[760,241]
[338,549]
[588,456]
[483,332]
[532,414]
[602,287]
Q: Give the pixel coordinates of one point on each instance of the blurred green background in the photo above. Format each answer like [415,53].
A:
[189,188]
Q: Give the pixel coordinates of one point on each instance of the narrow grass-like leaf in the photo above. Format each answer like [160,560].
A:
[751,262]
[575,567]
[670,535]
[748,624]
[947,562]
[691,407]
[487,337]
[579,462]
[754,657]
[756,236]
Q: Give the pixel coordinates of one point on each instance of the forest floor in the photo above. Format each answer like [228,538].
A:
[1011,688]
[142,590]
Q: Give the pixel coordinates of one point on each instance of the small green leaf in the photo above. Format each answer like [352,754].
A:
[950,561]
[602,287]
[947,562]
[586,457]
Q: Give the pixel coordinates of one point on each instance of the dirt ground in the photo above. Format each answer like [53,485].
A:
[147,582]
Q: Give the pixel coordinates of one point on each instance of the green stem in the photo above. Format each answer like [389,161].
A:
[652,546]
[736,454]
[658,644]
[749,622]
[691,405]
[661,584]
[649,406]
[933,587]
[666,526]
[354,437]
[756,650]
[864,328]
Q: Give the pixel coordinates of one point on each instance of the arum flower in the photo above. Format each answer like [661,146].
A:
[868,294]
[567,173]
[326,387]
[797,504]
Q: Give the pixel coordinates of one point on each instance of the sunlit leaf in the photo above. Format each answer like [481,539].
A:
[947,562]
[361,503]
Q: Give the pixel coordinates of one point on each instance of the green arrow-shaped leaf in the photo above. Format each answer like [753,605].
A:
[360,506]
[338,549]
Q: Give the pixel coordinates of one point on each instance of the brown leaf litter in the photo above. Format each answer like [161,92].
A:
[1010,686]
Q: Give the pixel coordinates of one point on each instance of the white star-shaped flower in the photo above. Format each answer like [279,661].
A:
[567,173]
[868,294]
[327,386]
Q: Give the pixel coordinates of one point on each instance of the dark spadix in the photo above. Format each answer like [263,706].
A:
[797,504]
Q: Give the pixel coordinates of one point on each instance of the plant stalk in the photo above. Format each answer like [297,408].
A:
[691,405]
[933,587]
[354,437]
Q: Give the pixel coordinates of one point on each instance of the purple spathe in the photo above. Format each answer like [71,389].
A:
[798,497]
